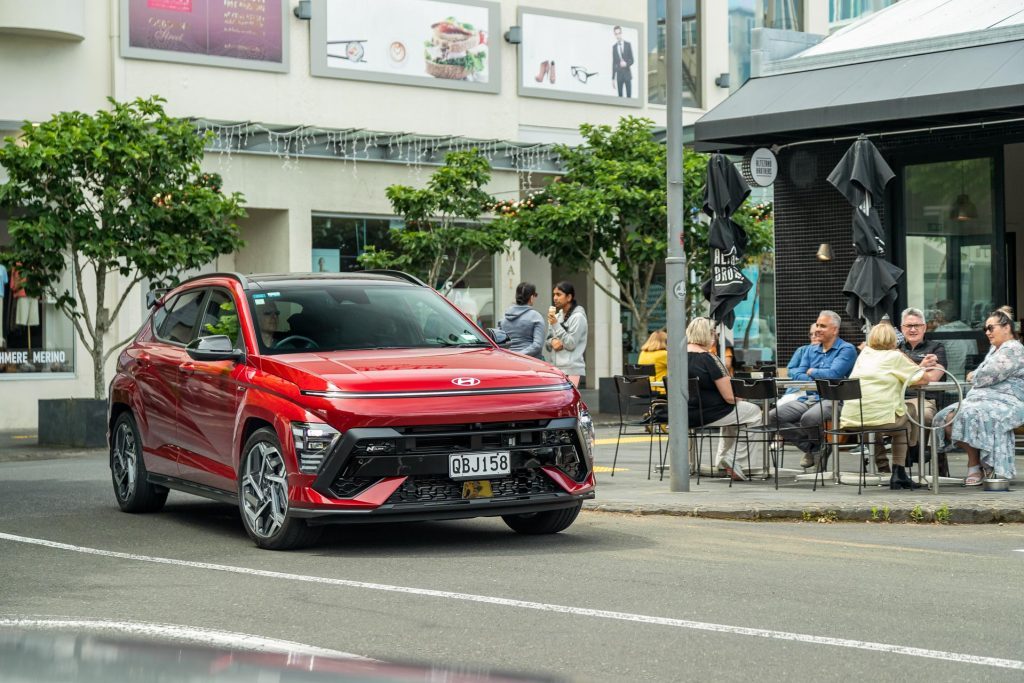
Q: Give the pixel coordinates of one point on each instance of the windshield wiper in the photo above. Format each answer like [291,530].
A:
[450,343]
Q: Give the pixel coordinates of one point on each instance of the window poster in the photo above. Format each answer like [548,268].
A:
[429,43]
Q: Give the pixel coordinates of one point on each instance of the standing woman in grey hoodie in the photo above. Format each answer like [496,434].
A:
[567,332]
[523,324]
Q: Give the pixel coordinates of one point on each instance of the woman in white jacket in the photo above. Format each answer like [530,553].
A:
[567,333]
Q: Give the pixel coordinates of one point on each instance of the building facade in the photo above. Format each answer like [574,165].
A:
[315,108]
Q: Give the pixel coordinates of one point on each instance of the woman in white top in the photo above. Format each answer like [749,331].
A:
[882,371]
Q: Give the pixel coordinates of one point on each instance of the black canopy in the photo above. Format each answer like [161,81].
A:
[724,192]
[870,289]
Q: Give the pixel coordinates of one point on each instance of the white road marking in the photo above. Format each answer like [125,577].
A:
[173,632]
[544,607]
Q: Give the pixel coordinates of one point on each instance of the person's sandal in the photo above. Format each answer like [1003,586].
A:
[973,479]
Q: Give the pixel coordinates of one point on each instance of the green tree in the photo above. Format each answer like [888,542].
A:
[607,210]
[442,240]
[757,220]
[119,193]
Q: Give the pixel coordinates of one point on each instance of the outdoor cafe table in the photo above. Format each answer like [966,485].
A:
[919,392]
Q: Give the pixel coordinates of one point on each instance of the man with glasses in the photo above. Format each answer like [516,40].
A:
[827,357]
[930,355]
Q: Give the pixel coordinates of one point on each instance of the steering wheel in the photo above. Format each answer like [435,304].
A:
[303,342]
[959,400]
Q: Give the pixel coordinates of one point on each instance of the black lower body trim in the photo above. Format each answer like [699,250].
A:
[195,489]
[420,512]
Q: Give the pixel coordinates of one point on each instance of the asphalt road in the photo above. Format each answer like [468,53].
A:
[615,598]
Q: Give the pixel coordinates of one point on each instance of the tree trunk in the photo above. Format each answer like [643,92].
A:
[99,385]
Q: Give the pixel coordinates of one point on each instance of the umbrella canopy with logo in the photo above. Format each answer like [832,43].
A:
[861,177]
[724,192]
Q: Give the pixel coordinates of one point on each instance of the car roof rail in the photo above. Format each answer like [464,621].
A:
[228,274]
[399,274]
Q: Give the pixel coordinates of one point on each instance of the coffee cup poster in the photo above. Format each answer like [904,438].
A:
[412,42]
[569,57]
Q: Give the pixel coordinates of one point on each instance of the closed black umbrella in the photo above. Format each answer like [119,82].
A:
[724,192]
[870,289]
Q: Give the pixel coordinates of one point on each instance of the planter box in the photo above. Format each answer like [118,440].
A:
[78,422]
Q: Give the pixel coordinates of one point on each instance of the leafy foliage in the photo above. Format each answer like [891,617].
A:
[441,241]
[608,209]
[117,193]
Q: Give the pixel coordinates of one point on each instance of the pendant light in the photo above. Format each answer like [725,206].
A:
[963,208]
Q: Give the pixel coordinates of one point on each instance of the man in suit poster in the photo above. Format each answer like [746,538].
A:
[622,64]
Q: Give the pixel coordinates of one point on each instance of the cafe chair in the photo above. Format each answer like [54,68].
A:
[634,400]
[763,391]
[698,435]
[837,390]
[633,370]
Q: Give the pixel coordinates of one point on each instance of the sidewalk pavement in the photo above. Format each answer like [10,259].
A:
[630,491]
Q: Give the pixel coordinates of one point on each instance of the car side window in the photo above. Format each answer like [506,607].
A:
[182,313]
[220,316]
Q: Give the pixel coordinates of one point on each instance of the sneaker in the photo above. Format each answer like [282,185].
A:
[807,461]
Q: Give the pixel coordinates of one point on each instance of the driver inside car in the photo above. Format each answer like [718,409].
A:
[269,318]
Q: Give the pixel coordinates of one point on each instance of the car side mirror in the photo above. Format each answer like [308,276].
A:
[213,348]
[499,336]
[153,297]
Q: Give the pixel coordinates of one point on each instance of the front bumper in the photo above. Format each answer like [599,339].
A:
[402,473]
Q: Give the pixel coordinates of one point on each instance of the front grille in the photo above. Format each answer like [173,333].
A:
[440,489]
[349,488]
[420,453]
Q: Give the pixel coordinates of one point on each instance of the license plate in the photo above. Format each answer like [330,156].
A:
[479,465]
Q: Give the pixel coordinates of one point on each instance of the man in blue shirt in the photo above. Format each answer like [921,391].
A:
[827,357]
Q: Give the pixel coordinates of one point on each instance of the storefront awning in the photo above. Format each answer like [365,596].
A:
[934,88]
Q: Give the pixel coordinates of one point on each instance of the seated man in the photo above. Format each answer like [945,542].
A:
[828,357]
[928,354]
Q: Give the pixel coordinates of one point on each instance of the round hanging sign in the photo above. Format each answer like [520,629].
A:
[763,166]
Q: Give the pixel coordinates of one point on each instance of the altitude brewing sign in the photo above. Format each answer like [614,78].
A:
[763,167]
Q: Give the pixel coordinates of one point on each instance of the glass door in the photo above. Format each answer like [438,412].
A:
[952,243]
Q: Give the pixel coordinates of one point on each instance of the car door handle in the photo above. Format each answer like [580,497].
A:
[187,368]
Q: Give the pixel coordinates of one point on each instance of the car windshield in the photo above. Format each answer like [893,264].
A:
[298,317]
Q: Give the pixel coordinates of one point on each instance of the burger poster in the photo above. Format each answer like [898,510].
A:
[430,43]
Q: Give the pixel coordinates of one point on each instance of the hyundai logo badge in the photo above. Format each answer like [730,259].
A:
[465,381]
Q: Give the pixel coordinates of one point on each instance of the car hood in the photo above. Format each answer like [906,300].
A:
[414,370]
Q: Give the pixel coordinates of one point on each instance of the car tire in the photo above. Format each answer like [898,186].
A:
[263,496]
[550,522]
[128,473]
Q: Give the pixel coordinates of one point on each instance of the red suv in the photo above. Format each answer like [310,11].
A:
[309,399]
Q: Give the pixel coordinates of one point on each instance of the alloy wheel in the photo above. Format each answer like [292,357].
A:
[264,490]
[126,463]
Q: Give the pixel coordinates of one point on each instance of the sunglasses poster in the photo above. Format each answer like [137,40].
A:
[431,43]
[571,57]
[247,35]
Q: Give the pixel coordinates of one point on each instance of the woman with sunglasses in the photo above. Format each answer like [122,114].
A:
[984,424]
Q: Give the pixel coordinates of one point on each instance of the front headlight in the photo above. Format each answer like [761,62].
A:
[589,435]
[313,441]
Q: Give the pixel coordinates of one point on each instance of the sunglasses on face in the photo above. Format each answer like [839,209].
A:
[912,326]
[581,74]
[990,328]
[272,313]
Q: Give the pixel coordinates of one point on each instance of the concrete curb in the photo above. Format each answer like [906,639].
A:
[900,511]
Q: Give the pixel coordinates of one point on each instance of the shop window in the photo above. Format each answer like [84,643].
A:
[339,240]
[35,337]
[657,77]
[950,251]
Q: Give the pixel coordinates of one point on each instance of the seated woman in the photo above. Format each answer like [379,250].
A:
[655,352]
[882,371]
[718,407]
[984,424]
